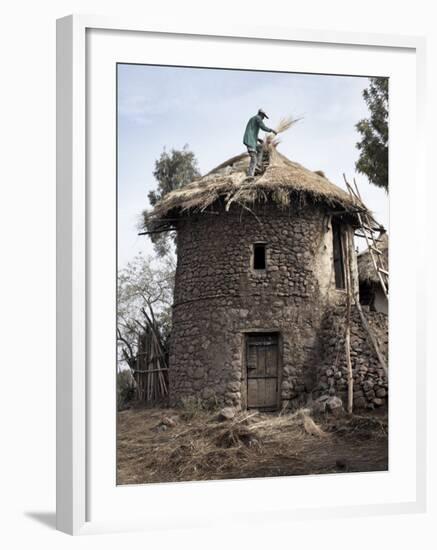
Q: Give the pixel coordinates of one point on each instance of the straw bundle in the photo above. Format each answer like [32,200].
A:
[284,124]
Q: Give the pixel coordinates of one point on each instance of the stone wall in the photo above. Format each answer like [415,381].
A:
[369,381]
[219,298]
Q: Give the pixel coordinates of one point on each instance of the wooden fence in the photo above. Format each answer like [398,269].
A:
[151,368]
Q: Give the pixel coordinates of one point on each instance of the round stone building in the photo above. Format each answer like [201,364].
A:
[261,274]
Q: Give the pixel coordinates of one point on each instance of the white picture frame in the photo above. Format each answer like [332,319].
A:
[75,397]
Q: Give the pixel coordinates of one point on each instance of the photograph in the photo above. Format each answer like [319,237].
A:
[252,274]
[219,224]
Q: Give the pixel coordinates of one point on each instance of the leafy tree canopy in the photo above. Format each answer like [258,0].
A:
[373,147]
[173,170]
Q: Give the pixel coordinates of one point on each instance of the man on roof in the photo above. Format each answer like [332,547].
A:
[251,141]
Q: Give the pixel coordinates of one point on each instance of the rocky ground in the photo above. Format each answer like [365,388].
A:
[164,445]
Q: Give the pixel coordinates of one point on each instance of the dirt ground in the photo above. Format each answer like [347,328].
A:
[164,445]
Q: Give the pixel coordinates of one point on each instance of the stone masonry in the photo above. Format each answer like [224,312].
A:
[219,298]
[370,384]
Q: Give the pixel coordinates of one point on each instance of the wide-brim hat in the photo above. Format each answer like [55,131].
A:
[262,112]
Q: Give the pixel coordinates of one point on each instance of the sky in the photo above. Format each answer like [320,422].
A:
[207,109]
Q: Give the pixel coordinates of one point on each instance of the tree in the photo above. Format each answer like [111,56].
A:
[373,147]
[145,284]
[172,171]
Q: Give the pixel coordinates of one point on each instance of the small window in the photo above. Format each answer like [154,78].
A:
[259,256]
[338,256]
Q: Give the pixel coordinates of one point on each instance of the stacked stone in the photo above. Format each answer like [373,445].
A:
[219,297]
[214,255]
[370,387]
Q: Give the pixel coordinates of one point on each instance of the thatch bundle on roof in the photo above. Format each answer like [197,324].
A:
[282,182]
[366,270]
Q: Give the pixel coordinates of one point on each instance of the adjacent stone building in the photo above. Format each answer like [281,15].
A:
[371,291]
[262,267]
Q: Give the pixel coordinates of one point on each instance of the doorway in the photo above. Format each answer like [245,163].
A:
[262,362]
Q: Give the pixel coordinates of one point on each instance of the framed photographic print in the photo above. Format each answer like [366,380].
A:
[240,320]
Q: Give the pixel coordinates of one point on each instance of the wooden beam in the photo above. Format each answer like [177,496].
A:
[157,231]
[341,212]
[151,370]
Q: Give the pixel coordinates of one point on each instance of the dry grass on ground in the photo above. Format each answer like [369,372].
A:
[164,445]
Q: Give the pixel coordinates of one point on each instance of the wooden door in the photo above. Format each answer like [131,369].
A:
[262,358]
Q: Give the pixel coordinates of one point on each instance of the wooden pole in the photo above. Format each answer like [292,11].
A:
[366,326]
[347,340]
[138,376]
[365,221]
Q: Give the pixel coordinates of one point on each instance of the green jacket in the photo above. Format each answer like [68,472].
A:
[252,129]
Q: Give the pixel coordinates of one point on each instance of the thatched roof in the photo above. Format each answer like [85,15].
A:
[282,182]
[366,269]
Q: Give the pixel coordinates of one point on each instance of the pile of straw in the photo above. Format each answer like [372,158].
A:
[159,445]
